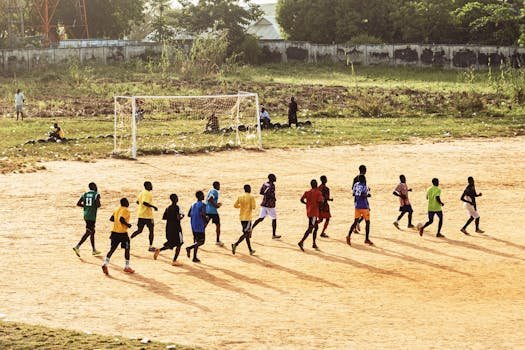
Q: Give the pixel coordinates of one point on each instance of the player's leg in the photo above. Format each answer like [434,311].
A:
[367,232]
[114,245]
[314,233]
[306,234]
[196,249]
[410,219]
[217,222]
[177,252]
[428,223]
[396,223]
[326,222]
[140,228]
[352,230]
[262,215]
[464,228]
[440,223]
[82,240]
[127,248]
[151,236]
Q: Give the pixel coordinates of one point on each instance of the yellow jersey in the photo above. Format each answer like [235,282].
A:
[246,204]
[143,211]
[121,212]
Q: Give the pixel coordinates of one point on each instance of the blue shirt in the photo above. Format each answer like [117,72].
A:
[196,214]
[361,196]
[213,193]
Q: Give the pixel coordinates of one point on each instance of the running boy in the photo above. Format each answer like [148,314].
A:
[435,207]
[90,202]
[212,204]
[174,237]
[362,171]
[405,207]
[324,209]
[362,208]
[268,204]
[198,221]
[469,199]
[119,235]
[313,199]
[246,206]
[145,213]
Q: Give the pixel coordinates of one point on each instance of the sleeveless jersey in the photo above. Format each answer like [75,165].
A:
[90,205]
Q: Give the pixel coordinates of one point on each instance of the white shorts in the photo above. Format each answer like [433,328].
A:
[471,211]
[268,212]
[19,108]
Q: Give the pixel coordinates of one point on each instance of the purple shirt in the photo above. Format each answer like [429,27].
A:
[361,196]
[268,192]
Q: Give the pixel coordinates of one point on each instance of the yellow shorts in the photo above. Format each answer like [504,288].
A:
[365,213]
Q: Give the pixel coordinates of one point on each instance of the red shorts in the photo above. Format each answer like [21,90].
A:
[324,212]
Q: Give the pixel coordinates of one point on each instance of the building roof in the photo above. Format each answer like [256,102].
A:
[267,28]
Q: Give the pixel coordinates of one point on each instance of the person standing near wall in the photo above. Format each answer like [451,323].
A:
[19,104]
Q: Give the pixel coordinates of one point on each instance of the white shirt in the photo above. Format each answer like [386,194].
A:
[265,115]
[19,99]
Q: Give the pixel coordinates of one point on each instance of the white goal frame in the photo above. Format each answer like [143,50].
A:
[134,98]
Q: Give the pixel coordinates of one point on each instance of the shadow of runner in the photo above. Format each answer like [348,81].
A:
[479,248]
[272,265]
[425,249]
[394,254]
[151,285]
[216,281]
[499,240]
[245,278]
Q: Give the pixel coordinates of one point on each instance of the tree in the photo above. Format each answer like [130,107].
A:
[162,19]
[220,15]
[491,21]
[106,19]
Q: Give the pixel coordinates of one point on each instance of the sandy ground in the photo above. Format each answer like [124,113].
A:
[406,292]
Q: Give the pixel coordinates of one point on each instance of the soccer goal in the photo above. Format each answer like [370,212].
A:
[173,124]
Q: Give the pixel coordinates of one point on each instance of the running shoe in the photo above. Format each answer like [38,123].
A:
[96,253]
[396,224]
[276,236]
[410,226]
[324,235]
[105,269]
[369,242]
[300,244]
[77,251]
[465,231]
[151,249]
[156,254]
[252,252]
[234,246]
[420,229]
[195,260]
[479,231]
[176,263]
[128,269]
[439,235]
[315,247]
[348,240]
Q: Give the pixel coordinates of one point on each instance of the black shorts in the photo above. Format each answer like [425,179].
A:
[214,218]
[120,238]
[90,224]
[145,222]
[174,239]
[312,221]
[406,208]
[246,226]
[199,236]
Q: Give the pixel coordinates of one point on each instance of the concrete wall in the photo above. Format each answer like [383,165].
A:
[13,60]
[445,56]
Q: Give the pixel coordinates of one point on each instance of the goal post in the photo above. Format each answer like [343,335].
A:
[173,124]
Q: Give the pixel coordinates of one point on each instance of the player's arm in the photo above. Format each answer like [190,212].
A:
[463,199]
[80,202]
[237,204]
[165,215]
[212,201]
[204,217]
[438,199]
[302,200]
[149,205]
[395,193]
[97,202]
[112,218]
[124,222]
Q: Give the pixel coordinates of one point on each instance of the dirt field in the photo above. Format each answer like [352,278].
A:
[406,292]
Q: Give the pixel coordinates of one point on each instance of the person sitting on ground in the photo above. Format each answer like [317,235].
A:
[57,135]
[265,118]
[212,126]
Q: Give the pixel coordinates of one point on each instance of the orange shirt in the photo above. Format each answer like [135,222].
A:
[314,198]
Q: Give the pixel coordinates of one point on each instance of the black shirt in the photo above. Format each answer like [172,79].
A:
[172,217]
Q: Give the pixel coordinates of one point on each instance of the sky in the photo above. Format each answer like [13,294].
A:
[174,2]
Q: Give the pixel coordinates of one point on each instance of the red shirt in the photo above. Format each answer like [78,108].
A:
[314,198]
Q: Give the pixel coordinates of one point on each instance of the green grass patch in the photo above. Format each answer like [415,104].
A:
[18,336]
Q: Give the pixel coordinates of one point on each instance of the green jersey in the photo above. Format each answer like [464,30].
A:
[432,194]
[89,199]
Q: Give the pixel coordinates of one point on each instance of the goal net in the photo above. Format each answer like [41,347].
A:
[173,124]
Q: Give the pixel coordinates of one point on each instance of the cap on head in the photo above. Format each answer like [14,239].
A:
[362,169]
[124,202]
[148,185]
[199,195]
[174,198]
[435,181]
[324,179]
[313,183]
[272,178]
[92,186]
[247,188]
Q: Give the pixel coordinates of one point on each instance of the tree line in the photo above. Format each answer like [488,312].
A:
[490,22]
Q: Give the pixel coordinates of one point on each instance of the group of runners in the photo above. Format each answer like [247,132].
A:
[205,210]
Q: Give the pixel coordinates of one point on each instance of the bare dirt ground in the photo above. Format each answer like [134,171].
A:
[406,292]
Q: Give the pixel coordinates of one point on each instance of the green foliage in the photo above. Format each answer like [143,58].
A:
[363,39]
[249,49]
[220,15]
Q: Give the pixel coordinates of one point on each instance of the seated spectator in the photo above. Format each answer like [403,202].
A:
[212,125]
[57,135]
[265,118]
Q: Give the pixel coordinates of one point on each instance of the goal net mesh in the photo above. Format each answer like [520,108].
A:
[173,124]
